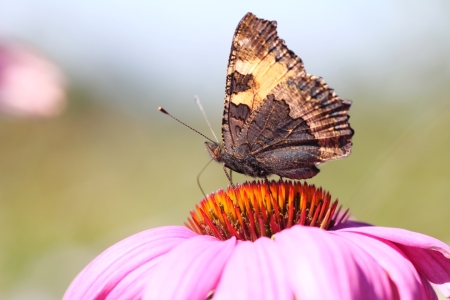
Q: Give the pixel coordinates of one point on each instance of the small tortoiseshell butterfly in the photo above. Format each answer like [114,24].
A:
[277,119]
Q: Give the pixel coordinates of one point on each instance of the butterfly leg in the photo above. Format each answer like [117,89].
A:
[266,180]
[228,175]
[198,178]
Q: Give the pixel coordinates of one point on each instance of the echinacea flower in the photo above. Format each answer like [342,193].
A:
[281,240]
[30,85]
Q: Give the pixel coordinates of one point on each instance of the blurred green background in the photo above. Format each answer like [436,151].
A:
[112,165]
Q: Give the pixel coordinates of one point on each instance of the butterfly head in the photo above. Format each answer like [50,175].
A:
[215,150]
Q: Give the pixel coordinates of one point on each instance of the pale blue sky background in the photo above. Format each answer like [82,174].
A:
[142,51]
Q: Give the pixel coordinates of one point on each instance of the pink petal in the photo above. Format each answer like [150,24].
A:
[430,256]
[433,265]
[404,237]
[349,224]
[119,268]
[325,266]
[191,270]
[254,271]
[399,268]
[429,291]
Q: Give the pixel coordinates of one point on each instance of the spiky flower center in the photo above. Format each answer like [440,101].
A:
[255,209]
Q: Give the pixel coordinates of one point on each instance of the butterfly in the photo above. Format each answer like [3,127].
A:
[277,118]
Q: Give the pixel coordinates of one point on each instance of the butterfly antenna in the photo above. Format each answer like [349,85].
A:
[165,112]
[197,100]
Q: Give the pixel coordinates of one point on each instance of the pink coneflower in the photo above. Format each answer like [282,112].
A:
[30,85]
[289,242]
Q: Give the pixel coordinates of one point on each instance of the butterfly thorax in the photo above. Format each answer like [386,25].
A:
[244,164]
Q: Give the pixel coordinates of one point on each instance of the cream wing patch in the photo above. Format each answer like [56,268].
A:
[261,54]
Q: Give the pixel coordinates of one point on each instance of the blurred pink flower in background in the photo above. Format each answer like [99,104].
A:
[30,85]
[224,256]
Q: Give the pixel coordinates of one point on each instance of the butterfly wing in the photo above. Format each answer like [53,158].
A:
[302,123]
[258,61]
[288,120]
